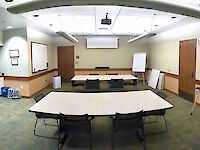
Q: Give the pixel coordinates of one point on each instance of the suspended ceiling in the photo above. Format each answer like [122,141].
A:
[85,20]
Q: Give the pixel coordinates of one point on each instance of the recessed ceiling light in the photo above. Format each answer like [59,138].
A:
[35,15]
[156,25]
[8,0]
[51,25]
[9,27]
[173,17]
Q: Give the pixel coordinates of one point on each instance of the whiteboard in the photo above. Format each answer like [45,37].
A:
[102,42]
[153,80]
[39,56]
[139,62]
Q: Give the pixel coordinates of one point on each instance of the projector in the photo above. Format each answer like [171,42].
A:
[106,21]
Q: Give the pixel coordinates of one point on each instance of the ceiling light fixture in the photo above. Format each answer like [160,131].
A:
[9,27]
[140,37]
[68,37]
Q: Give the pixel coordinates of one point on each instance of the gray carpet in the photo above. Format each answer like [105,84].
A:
[16,127]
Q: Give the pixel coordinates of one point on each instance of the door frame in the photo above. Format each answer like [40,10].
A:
[194,80]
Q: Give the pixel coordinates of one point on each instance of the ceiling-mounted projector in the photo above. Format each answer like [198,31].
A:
[106,20]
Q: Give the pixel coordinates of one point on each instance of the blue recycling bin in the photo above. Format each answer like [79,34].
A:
[4,91]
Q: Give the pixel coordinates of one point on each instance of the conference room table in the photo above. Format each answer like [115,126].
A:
[102,77]
[100,104]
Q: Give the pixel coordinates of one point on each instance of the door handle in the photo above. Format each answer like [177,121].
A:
[193,74]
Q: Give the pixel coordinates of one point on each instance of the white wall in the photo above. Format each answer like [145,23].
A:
[39,37]
[113,58]
[1,38]
[164,48]
[14,39]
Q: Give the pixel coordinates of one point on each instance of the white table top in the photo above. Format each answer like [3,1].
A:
[100,103]
[103,77]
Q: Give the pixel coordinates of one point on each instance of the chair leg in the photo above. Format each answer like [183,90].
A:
[112,140]
[91,141]
[112,135]
[144,140]
[57,122]
[166,128]
[41,135]
[50,124]
[156,120]
[35,125]
[45,122]
[59,130]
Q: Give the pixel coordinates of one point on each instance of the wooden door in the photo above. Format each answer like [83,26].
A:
[187,69]
[66,62]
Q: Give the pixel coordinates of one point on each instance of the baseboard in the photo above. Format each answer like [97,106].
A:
[171,92]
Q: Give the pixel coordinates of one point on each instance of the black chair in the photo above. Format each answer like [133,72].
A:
[44,116]
[158,113]
[93,74]
[74,84]
[74,125]
[112,73]
[86,91]
[92,84]
[128,123]
[116,83]
[115,90]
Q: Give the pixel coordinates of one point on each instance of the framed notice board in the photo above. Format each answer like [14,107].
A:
[39,56]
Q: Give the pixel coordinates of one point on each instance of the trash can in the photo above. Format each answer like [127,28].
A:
[56,82]
[13,93]
[4,91]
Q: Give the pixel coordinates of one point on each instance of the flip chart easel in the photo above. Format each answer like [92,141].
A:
[139,63]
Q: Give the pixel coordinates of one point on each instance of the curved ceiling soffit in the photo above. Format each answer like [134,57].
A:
[148,4]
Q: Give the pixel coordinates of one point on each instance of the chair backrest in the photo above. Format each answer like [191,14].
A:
[75,124]
[116,90]
[92,84]
[86,91]
[135,119]
[112,73]
[162,95]
[64,117]
[38,97]
[116,83]
[93,74]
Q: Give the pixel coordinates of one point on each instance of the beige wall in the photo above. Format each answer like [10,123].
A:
[164,52]
[31,87]
[113,58]
[164,48]
[14,39]
[171,84]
